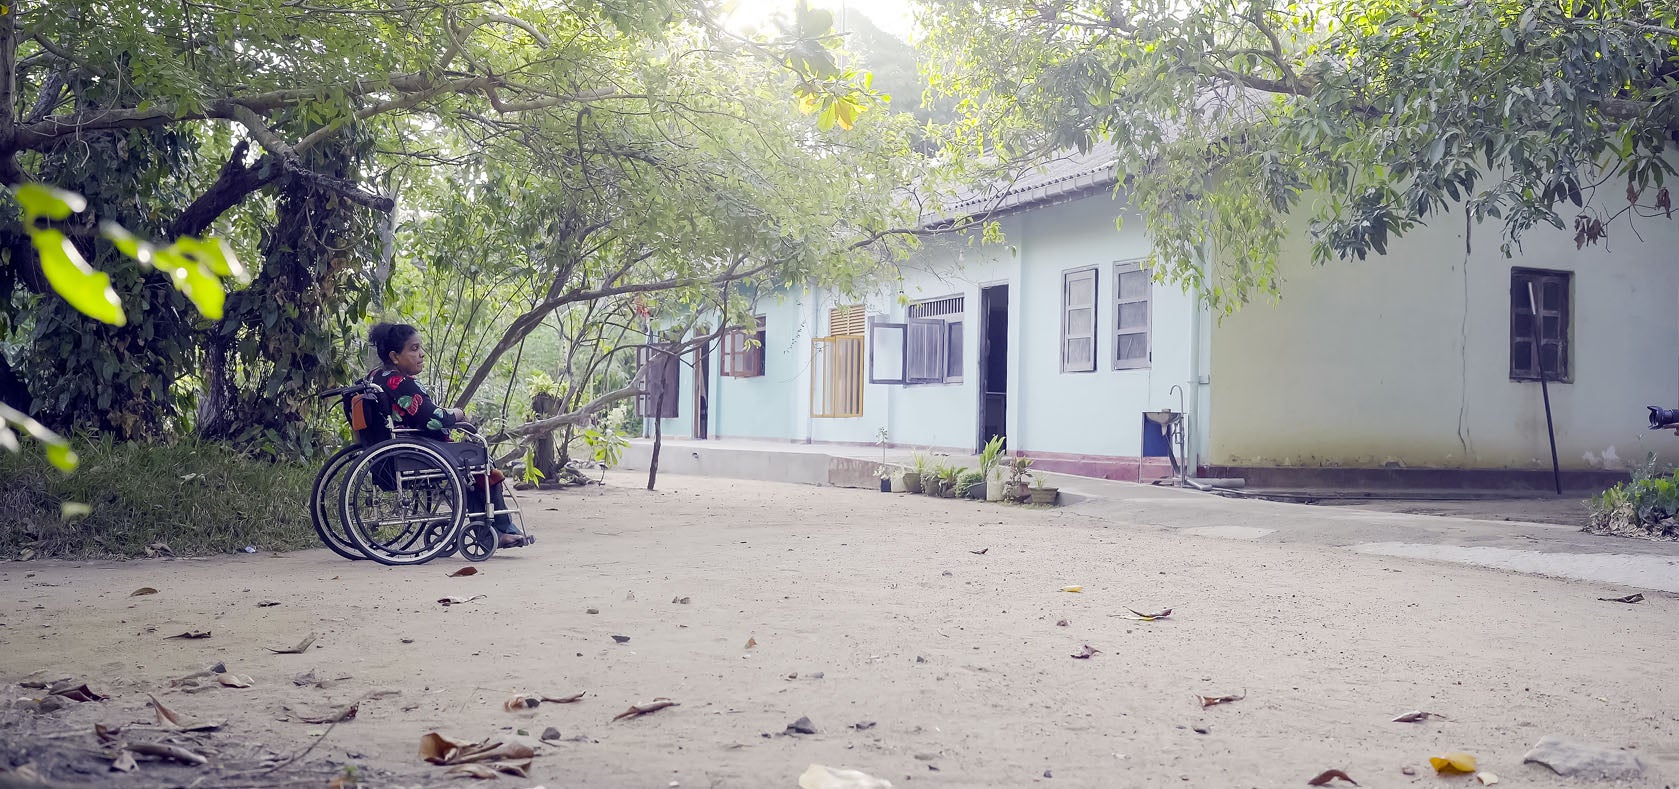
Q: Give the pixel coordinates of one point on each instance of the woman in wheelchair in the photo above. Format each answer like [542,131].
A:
[401,359]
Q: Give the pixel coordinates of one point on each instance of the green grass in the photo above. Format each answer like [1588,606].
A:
[197,498]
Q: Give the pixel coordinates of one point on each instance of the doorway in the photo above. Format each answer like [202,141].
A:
[702,390]
[993,362]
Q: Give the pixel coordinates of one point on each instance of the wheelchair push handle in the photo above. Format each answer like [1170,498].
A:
[360,387]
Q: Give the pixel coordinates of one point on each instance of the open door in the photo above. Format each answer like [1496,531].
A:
[702,390]
[993,363]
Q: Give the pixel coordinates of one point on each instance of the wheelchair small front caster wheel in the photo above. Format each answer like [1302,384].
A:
[479,542]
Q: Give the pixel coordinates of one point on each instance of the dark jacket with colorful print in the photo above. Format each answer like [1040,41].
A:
[411,407]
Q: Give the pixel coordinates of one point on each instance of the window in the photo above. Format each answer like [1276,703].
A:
[1133,318]
[924,349]
[836,363]
[661,389]
[743,351]
[1544,351]
[1078,321]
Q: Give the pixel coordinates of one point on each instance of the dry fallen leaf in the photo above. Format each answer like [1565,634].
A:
[172,719]
[1326,776]
[268,603]
[1072,589]
[1454,762]
[1084,654]
[1631,598]
[144,590]
[491,769]
[124,762]
[1486,779]
[517,703]
[1209,701]
[77,693]
[575,697]
[1142,617]
[166,751]
[1061,623]
[190,634]
[297,650]
[1418,716]
[234,680]
[750,642]
[441,749]
[106,733]
[639,710]
[339,716]
[449,601]
[980,552]
[464,571]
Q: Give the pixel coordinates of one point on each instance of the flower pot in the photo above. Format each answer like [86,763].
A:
[912,482]
[994,490]
[974,490]
[1045,495]
[885,484]
[1018,491]
[947,489]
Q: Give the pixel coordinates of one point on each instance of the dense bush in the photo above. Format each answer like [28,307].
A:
[196,497]
[1645,507]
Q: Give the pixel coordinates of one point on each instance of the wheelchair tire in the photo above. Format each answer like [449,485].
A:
[479,541]
[402,504]
[326,514]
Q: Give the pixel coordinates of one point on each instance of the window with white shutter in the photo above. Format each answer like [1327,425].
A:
[1133,316]
[1078,321]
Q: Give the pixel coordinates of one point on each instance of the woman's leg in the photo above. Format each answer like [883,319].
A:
[503,523]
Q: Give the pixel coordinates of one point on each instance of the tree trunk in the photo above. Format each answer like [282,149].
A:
[547,460]
[658,438]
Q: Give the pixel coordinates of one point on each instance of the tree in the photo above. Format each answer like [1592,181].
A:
[289,127]
[1228,114]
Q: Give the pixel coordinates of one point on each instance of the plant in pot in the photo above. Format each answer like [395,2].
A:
[1043,494]
[991,468]
[1018,487]
[916,478]
[885,471]
[971,484]
[949,479]
[940,476]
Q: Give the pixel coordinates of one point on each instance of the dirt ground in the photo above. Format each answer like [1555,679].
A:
[936,621]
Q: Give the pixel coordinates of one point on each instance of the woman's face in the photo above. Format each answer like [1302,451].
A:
[412,358]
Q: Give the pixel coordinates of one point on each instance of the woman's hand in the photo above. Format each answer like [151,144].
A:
[458,414]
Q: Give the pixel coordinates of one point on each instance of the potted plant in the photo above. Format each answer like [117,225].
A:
[991,468]
[941,481]
[971,484]
[915,478]
[1017,487]
[1043,494]
[885,471]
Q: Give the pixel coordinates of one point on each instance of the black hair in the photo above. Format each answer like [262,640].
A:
[389,338]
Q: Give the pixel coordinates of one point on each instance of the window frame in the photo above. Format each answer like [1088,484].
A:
[741,359]
[1095,315]
[902,330]
[1127,267]
[1523,329]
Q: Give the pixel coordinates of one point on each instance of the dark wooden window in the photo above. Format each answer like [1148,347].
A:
[664,379]
[1540,345]
[1133,316]
[743,351]
[1078,321]
[926,348]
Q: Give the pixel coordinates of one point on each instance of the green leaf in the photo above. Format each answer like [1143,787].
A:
[87,290]
[193,280]
[215,254]
[62,457]
[48,201]
[126,242]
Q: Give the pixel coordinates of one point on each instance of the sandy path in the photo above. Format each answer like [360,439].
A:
[955,656]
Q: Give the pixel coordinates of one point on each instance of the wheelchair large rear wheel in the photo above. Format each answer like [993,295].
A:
[402,504]
[325,500]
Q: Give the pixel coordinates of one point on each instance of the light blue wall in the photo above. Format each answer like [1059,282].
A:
[1100,412]
[1095,413]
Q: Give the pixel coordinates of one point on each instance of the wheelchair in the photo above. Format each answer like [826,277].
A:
[400,498]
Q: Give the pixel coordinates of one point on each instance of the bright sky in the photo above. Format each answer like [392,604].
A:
[892,16]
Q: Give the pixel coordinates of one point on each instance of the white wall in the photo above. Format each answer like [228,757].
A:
[1404,359]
